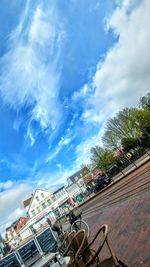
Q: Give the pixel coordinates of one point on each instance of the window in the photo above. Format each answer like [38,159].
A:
[42,195]
[44,205]
[33,212]
[69,181]
[54,198]
[37,198]
[76,178]
[49,201]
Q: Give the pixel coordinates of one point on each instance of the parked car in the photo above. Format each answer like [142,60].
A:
[101,182]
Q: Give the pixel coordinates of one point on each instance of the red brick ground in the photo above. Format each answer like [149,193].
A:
[125,207]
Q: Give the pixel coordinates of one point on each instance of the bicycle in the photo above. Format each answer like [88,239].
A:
[77,223]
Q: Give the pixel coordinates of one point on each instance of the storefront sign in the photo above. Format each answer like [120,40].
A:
[47,241]
[29,253]
[9,260]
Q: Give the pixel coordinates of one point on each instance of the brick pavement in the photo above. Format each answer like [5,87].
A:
[128,218]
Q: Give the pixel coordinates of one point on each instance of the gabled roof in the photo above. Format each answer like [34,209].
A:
[27,202]
[76,174]
[33,195]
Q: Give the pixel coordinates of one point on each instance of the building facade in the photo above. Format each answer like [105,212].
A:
[76,183]
[73,189]
[44,206]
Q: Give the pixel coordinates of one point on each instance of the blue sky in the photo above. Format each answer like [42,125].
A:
[65,67]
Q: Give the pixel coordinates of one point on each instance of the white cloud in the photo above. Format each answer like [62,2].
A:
[82,156]
[11,207]
[123,77]
[41,31]
[81,94]
[83,149]
[18,164]
[17,213]
[30,74]
[30,135]
[6,185]
[59,166]
[48,180]
[64,141]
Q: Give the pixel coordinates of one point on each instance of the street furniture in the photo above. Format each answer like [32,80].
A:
[75,243]
[86,256]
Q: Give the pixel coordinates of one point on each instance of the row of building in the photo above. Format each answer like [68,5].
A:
[44,205]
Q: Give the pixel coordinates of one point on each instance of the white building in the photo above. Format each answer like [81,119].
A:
[44,205]
[38,202]
[73,189]
[75,183]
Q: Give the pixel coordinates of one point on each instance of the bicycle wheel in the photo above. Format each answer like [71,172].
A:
[80,224]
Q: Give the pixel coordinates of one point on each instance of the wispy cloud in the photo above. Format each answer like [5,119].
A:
[19,167]
[30,135]
[30,70]
[83,150]
[64,142]
[82,156]
[81,94]
[49,180]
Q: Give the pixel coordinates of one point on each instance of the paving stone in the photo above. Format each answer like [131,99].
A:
[128,219]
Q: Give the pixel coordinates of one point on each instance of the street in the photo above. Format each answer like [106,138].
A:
[124,206]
